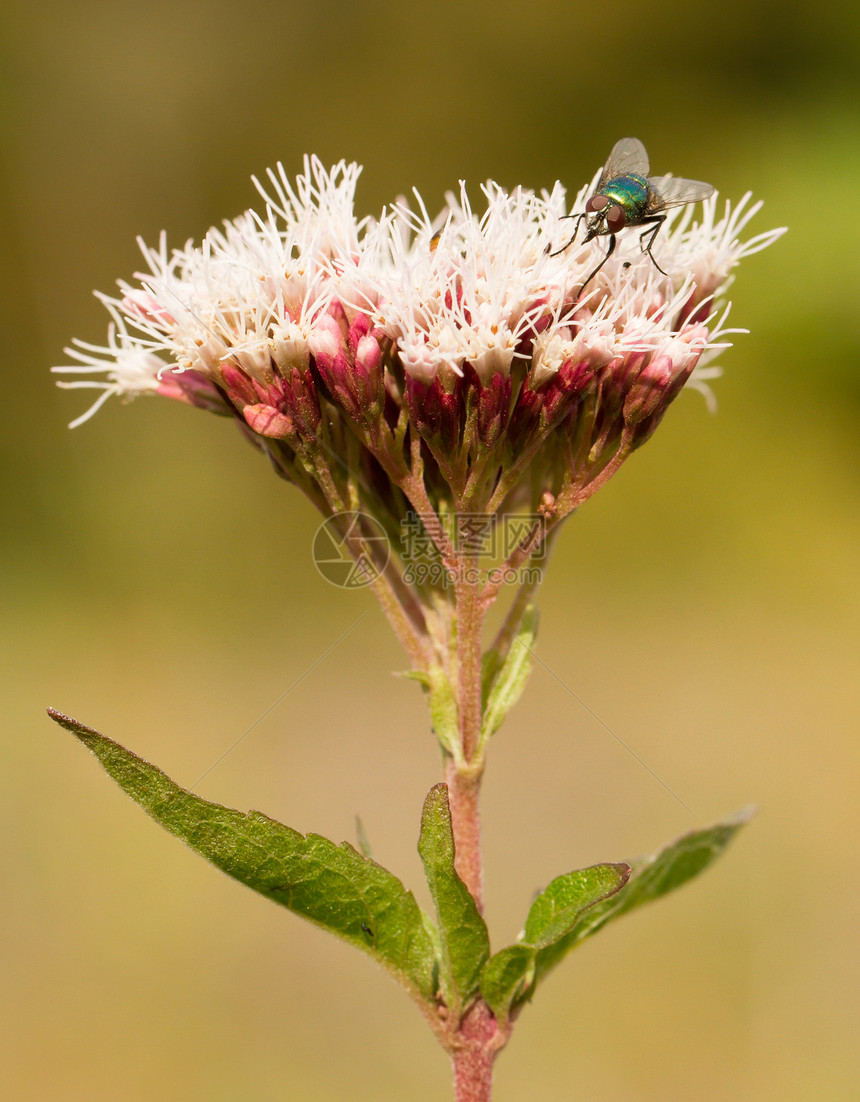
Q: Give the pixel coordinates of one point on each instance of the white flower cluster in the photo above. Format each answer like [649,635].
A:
[459,289]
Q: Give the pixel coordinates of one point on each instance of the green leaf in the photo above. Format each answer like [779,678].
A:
[651,877]
[465,943]
[505,977]
[573,908]
[556,910]
[333,886]
[491,662]
[509,973]
[509,680]
[420,676]
[443,708]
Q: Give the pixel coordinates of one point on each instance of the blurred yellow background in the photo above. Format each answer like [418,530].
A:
[157,580]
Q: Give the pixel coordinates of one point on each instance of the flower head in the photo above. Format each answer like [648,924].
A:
[453,363]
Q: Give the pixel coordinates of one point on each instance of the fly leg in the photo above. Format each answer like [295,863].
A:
[658,220]
[572,238]
[609,252]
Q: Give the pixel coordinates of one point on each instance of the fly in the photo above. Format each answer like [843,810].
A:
[627,196]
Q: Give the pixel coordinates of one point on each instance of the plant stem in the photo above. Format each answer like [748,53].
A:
[464,783]
[480,1041]
[478,1038]
[470,621]
[464,787]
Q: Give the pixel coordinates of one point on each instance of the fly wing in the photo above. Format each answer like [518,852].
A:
[628,155]
[673,191]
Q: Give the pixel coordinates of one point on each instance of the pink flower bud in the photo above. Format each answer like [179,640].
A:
[494,402]
[618,378]
[649,390]
[240,389]
[324,342]
[296,396]
[361,326]
[368,355]
[436,412]
[337,316]
[194,388]
[268,421]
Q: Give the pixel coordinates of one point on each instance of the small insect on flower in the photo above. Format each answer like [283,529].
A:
[627,196]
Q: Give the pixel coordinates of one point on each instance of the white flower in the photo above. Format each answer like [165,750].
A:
[709,250]
[128,367]
[462,288]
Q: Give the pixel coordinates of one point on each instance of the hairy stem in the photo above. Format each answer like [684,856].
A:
[464,781]
[464,789]
[470,619]
[479,1042]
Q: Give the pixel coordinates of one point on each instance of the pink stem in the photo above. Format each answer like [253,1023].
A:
[464,784]
[463,797]
[479,1042]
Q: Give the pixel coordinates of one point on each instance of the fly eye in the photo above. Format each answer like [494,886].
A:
[615,219]
[595,203]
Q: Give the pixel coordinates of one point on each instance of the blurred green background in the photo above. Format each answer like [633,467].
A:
[157,580]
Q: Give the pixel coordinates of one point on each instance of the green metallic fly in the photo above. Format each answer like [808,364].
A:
[627,196]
